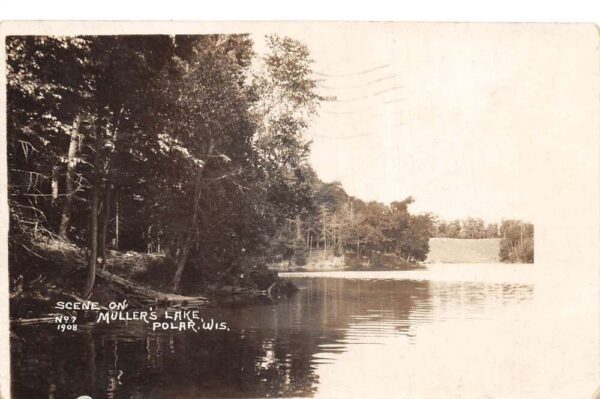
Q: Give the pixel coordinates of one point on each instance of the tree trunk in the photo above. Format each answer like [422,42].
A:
[521,235]
[65,220]
[183,255]
[307,237]
[105,222]
[117,221]
[55,173]
[91,276]
[298,228]
[181,261]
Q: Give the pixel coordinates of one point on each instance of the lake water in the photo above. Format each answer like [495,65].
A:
[453,331]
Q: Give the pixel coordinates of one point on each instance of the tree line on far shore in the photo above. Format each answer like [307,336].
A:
[340,224]
[464,228]
[517,237]
[517,245]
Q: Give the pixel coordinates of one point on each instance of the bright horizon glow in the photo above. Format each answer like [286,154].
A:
[446,113]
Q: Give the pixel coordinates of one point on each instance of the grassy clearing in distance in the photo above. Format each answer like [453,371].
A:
[464,250]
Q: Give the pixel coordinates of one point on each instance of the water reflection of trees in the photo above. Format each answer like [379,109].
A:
[271,350]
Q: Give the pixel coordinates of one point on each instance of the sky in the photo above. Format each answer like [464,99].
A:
[451,114]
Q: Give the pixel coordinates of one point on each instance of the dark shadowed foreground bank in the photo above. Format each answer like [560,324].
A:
[56,269]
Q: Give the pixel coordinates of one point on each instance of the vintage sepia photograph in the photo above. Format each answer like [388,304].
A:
[328,210]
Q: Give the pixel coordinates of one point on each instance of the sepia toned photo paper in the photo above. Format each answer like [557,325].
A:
[300,209]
